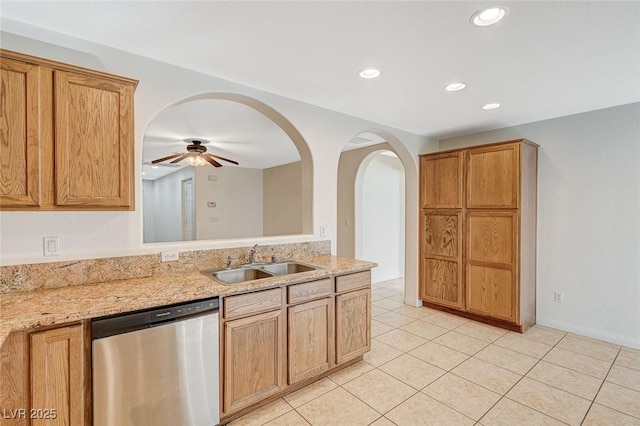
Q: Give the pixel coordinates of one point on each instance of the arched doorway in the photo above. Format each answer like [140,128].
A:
[371,197]
[380,214]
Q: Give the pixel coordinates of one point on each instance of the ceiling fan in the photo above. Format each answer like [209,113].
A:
[196,155]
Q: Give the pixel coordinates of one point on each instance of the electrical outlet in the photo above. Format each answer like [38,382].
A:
[170,256]
[558,297]
[323,231]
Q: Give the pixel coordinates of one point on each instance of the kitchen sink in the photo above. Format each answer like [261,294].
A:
[286,268]
[257,271]
[239,275]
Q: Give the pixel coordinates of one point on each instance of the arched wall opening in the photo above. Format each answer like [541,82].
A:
[379,214]
[305,202]
[348,166]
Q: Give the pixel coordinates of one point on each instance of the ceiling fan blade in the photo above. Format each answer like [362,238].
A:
[224,159]
[211,161]
[181,157]
[168,157]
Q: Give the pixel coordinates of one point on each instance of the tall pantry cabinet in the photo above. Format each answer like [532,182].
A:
[478,232]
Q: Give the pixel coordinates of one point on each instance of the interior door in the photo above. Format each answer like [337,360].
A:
[188,211]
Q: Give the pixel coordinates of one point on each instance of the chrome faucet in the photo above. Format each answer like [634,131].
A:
[228,262]
[252,254]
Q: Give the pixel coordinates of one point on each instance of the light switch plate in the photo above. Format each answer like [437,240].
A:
[51,246]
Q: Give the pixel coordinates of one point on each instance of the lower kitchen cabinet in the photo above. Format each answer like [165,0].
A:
[301,332]
[45,378]
[254,359]
[58,376]
[353,324]
[311,331]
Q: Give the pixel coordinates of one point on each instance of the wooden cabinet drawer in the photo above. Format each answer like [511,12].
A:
[307,291]
[353,281]
[252,303]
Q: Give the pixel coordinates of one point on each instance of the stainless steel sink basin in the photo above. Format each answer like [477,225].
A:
[234,276]
[257,271]
[286,268]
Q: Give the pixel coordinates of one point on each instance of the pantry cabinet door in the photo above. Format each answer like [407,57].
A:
[441,253]
[492,285]
[441,181]
[493,177]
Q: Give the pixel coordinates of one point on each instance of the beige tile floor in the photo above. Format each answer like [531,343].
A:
[431,368]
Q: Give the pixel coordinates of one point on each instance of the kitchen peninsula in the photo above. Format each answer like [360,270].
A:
[28,314]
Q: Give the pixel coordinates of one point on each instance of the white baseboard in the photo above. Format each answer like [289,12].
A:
[589,332]
[413,302]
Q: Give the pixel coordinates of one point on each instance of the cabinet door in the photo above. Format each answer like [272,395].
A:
[20,136]
[14,377]
[58,379]
[441,181]
[311,337]
[493,176]
[491,264]
[254,359]
[94,141]
[441,247]
[353,324]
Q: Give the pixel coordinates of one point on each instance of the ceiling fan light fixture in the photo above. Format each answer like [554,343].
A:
[487,16]
[196,161]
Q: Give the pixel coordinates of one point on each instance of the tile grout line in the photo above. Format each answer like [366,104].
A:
[600,388]
[489,344]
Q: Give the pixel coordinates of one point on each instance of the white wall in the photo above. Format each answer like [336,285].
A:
[380,209]
[588,219]
[282,199]
[348,167]
[101,234]
[237,192]
[166,205]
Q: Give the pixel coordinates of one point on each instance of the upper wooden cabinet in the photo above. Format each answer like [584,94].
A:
[66,138]
[94,131]
[478,232]
[20,124]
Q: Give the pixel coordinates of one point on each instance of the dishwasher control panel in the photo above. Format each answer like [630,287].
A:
[131,321]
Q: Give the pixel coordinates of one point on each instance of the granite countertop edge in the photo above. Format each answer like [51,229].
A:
[56,306]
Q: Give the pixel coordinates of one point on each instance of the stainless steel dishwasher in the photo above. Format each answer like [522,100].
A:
[157,367]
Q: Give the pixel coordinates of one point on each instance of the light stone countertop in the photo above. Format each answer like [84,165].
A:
[46,307]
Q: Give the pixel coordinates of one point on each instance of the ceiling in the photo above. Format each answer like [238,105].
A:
[544,60]
[226,128]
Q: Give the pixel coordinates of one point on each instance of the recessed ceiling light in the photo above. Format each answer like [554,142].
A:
[155,167]
[488,16]
[491,106]
[369,73]
[454,87]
